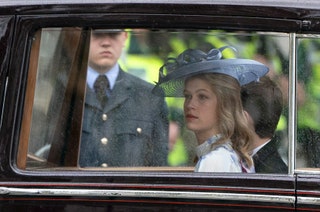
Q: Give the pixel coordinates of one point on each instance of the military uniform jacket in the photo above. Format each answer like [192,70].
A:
[132,129]
[268,160]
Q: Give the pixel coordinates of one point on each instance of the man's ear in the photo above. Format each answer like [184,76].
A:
[248,118]
[246,114]
[125,38]
[126,34]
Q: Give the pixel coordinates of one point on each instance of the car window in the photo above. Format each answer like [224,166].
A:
[54,120]
[308,110]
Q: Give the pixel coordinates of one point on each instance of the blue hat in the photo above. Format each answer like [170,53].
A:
[193,62]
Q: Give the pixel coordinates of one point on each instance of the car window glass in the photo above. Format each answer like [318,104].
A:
[308,99]
[52,132]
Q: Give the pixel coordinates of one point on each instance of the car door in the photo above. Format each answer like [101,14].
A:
[45,94]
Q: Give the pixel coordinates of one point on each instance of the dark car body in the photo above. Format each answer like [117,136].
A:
[144,190]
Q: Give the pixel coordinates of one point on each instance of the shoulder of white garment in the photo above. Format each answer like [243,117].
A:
[221,159]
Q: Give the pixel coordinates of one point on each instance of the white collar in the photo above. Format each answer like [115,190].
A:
[255,150]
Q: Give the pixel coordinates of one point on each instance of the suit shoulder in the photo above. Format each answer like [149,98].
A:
[142,86]
[136,81]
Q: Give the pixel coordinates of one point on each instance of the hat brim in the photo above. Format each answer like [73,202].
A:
[104,31]
[243,70]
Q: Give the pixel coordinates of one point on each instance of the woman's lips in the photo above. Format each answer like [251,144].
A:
[190,116]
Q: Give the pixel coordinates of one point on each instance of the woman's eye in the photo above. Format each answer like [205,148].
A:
[187,96]
[202,97]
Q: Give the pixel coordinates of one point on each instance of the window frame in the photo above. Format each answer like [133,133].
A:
[50,21]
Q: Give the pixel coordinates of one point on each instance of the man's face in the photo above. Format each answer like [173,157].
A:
[105,49]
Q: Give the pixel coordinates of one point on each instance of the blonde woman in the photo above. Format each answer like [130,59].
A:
[212,106]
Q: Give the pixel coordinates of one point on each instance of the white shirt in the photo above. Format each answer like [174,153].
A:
[221,159]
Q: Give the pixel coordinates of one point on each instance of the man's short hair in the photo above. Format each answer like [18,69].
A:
[264,102]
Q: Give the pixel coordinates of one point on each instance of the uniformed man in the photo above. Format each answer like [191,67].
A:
[124,123]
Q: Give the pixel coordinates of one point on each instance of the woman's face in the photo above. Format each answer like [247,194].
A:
[200,108]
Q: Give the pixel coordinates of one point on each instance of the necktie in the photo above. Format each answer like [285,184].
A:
[101,87]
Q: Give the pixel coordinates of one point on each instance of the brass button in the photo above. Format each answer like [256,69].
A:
[104,117]
[139,130]
[104,141]
[104,165]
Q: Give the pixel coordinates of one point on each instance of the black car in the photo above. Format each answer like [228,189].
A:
[44,55]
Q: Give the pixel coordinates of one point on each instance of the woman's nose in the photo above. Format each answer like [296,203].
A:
[189,103]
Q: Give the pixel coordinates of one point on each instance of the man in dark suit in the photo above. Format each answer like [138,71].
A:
[125,125]
[263,103]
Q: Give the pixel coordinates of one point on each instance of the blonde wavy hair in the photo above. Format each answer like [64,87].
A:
[232,121]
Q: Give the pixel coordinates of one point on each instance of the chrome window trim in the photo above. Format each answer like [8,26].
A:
[148,194]
[308,200]
[4,100]
[292,104]
[307,171]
